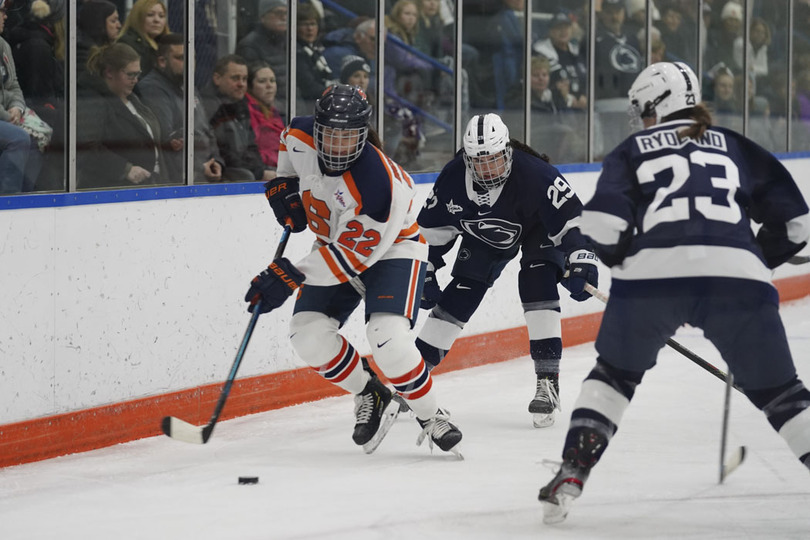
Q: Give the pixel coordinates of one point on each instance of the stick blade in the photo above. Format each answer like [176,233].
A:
[733,460]
[180,430]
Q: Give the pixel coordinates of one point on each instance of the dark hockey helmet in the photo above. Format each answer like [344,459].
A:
[341,126]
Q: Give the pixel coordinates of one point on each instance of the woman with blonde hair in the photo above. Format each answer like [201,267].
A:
[146,21]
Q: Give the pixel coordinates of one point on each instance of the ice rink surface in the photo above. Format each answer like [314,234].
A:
[658,479]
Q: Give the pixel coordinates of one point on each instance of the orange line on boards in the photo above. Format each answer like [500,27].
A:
[88,429]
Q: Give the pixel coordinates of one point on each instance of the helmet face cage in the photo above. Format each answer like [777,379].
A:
[490,170]
[487,152]
[341,126]
[339,148]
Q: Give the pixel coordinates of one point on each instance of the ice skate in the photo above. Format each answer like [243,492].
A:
[403,405]
[375,412]
[440,431]
[558,495]
[546,401]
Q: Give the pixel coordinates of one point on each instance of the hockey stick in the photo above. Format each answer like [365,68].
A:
[183,431]
[673,344]
[799,259]
[727,466]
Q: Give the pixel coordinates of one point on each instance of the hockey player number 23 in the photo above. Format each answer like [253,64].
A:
[678,207]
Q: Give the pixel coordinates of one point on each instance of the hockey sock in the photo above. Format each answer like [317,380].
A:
[605,395]
[787,408]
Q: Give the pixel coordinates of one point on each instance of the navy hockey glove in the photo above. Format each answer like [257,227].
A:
[581,269]
[282,194]
[274,285]
[431,293]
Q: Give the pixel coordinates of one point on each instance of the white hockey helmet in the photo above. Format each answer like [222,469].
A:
[487,152]
[662,89]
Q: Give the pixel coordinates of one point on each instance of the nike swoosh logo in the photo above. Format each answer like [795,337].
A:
[480,213]
[296,149]
[462,287]
[380,345]
[535,265]
[546,245]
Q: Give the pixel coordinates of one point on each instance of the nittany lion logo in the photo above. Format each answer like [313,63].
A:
[625,58]
[497,233]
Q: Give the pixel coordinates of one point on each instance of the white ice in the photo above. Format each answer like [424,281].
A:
[658,479]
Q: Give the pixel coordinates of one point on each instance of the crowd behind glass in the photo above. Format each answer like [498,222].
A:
[128,80]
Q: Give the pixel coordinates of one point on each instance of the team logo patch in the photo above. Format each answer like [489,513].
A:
[453,208]
[498,233]
[339,198]
[464,254]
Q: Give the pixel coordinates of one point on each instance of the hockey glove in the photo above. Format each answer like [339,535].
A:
[581,269]
[282,194]
[431,293]
[274,285]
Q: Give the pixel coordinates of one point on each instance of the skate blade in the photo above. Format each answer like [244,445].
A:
[556,510]
[389,415]
[541,420]
[456,450]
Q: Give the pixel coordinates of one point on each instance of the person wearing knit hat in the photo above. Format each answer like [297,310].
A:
[269,5]
[48,11]
[349,71]
[267,42]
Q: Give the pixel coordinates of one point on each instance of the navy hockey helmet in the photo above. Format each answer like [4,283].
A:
[487,150]
[341,125]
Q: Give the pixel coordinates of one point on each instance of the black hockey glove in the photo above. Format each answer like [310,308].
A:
[431,293]
[274,285]
[282,194]
[581,269]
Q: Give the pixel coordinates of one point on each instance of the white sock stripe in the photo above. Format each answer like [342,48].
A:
[543,324]
[796,432]
[438,333]
[602,398]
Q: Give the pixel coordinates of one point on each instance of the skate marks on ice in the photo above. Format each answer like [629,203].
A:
[658,478]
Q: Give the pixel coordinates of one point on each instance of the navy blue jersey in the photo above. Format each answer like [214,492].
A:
[671,208]
[535,196]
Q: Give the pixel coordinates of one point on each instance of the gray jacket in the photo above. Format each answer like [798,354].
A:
[10,92]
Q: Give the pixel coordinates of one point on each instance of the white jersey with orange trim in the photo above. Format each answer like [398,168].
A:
[359,217]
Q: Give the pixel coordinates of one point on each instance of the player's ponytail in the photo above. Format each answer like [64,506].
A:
[702,116]
[517,145]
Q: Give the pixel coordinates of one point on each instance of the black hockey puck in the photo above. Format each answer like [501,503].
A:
[248,479]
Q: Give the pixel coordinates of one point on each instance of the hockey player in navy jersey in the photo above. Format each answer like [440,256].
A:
[334,178]
[672,217]
[500,197]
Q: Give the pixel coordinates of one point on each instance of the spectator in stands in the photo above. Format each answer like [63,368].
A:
[205,34]
[760,39]
[681,39]
[430,29]
[99,25]
[508,57]
[118,137]
[20,160]
[225,101]
[38,44]
[314,73]
[618,62]
[541,94]
[145,22]
[560,50]
[162,91]
[265,118]
[268,41]
[722,39]
[402,21]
